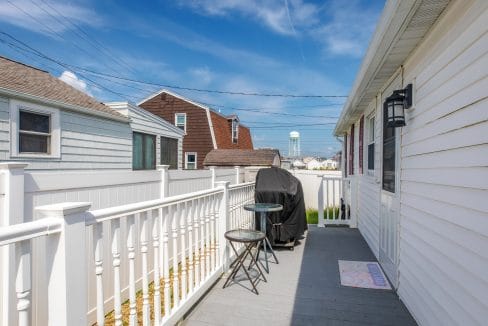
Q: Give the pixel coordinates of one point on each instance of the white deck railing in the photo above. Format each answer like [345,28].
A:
[176,242]
[333,201]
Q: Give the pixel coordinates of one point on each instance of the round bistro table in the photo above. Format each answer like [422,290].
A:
[250,238]
[263,209]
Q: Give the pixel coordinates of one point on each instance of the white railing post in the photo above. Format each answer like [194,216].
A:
[66,260]
[212,182]
[223,224]
[12,203]
[320,208]
[163,169]
[238,174]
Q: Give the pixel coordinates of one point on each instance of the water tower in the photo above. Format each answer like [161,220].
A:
[294,144]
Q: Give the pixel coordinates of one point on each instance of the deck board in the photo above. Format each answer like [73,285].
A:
[304,289]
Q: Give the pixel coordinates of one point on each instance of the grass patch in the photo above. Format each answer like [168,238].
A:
[313,214]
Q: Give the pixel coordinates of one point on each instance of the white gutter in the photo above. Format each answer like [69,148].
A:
[61,105]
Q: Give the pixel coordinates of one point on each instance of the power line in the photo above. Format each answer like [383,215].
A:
[205,90]
[294,125]
[52,30]
[97,45]
[74,67]
[259,110]
[42,55]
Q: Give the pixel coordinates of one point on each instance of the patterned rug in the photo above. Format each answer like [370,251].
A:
[362,274]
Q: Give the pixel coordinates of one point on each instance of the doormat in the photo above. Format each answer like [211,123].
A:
[362,274]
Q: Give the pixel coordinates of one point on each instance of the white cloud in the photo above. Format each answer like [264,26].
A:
[41,18]
[71,79]
[203,75]
[348,30]
[271,13]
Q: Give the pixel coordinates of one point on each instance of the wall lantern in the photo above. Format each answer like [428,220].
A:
[396,104]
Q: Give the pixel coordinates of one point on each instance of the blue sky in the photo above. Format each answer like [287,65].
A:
[293,47]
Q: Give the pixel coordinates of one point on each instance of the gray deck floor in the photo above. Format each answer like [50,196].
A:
[304,289]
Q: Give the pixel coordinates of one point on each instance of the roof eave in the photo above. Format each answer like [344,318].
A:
[396,17]
[62,105]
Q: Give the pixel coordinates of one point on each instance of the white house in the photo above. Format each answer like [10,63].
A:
[329,164]
[419,192]
[53,126]
[298,164]
[166,139]
[314,164]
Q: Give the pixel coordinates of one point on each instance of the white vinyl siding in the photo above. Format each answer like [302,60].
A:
[368,189]
[443,182]
[87,143]
[444,222]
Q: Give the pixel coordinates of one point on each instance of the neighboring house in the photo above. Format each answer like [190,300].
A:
[298,164]
[154,140]
[252,160]
[205,129]
[329,164]
[243,157]
[51,125]
[420,191]
[314,164]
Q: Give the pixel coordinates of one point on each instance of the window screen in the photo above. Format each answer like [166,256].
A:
[169,152]
[143,151]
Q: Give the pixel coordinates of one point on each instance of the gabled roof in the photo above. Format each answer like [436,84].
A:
[181,97]
[401,27]
[241,157]
[23,81]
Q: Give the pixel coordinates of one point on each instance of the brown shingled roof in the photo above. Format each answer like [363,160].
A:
[241,157]
[28,80]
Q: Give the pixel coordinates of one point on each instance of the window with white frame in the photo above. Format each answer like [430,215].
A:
[35,130]
[180,121]
[190,160]
[371,135]
[235,130]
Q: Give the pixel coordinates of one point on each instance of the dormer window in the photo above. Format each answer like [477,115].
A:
[235,130]
[180,121]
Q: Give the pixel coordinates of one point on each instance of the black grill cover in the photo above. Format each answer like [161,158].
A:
[278,186]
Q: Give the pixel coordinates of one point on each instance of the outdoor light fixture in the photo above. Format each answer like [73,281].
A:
[396,104]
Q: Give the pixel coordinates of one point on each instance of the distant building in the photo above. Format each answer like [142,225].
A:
[314,164]
[205,129]
[243,157]
[298,164]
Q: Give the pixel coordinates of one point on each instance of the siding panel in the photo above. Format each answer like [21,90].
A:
[444,176]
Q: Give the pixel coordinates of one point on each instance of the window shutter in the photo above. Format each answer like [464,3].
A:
[361,140]
[351,151]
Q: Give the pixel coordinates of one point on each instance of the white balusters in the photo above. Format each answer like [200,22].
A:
[156,243]
[212,216]
[196,225]
[115,226]
[174,235]
[132,276]
[202,239]
[23,281]
[167,282]
[207,237]
[145,277]
[189,219]
[98,245]
[182,217]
